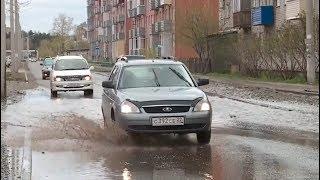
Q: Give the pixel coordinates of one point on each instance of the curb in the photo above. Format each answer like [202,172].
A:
[27,157]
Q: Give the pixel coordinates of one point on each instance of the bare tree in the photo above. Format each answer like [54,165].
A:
[62,27]
[196,25]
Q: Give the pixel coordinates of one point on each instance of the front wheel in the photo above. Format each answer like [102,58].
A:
[204,137]
[88,92]
[54,94]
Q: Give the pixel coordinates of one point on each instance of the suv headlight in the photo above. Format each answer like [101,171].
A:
[58,79]
[128,107]
[87,78]
[202,105]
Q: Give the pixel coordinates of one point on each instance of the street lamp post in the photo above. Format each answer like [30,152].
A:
[3,52]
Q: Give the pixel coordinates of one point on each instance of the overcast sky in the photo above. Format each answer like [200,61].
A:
[39,14]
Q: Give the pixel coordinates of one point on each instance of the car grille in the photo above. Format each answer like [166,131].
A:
[166,109]
[72,78]
[183,127]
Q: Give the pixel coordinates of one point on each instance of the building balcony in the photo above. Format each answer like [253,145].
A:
[119,36]
[137,32]
[141,10]
[107,8]
[117,2]
[156,4]
[108,23]
[164,2]
[108,38]
[132,13]
[165,26]
[263,15]
[242,19]
[121,18]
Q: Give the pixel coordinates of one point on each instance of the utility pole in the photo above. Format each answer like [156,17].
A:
[311,74]
[3,51]
[28,40]
[18,33]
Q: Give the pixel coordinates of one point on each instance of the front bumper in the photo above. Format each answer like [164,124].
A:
[71,85]
[142,123]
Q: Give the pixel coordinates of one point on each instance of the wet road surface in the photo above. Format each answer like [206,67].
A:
[249,140]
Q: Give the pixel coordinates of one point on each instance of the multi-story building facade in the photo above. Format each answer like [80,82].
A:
[260,16]
[95,29]
[154,26]
[137,26]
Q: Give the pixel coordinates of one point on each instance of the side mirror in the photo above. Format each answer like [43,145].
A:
[107,84]
[41,64]
[202,82]
[91,68]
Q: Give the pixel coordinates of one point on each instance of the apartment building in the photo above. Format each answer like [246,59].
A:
[260,16]
[95,30]
[155,26]
[138,26]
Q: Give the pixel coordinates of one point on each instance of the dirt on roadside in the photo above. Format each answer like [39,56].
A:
[16,85]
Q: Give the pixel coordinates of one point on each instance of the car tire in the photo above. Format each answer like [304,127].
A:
[54,94]
[88,92]
[105,124]
[204,137]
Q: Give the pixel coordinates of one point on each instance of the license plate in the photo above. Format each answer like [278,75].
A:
[72,85]
[74,79]
[168,121]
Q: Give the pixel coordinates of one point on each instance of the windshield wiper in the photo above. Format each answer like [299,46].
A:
[180,76]
[73,69]
[156,78]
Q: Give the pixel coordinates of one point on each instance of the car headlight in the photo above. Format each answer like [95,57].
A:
[58,79]
[87,78]
[128,107]
[202,105]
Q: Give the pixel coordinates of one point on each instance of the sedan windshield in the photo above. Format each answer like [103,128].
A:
[71,64]
[155,76]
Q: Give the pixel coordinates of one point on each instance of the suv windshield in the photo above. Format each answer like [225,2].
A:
[71,64]
[48,62]
[134,57]
[155,76]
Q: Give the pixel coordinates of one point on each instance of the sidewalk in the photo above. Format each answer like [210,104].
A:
[304,89]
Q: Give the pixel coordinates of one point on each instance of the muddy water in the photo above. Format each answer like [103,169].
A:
[253,140]
[69,142]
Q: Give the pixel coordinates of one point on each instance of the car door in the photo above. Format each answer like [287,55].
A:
[108,95]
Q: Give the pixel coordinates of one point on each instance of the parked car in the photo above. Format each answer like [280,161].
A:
[8,61]
[156,96]
[71,73]
[46,67]
[32,59]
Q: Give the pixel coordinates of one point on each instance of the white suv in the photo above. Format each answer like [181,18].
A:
[71,73]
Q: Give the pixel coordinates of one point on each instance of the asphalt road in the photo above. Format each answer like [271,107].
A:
[249,141]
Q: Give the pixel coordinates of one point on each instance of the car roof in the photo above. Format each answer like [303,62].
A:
[69,57]
[147,62]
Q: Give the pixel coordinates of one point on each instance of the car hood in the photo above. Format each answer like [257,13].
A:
[72,72]
[161,93]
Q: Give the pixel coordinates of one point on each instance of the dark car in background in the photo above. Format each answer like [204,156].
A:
[156,96]
[46,67]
